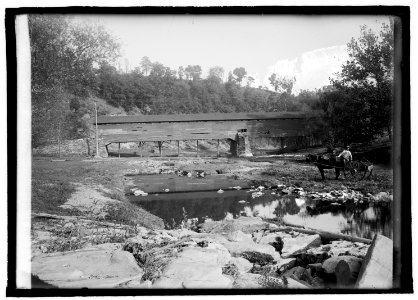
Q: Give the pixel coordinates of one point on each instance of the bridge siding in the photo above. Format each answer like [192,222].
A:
[200,130]
[198,117]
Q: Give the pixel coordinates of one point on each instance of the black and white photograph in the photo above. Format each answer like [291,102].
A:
[201,150]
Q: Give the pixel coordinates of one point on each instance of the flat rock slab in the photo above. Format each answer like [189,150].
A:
[299,244]
[195,268]
[377,269]
[245,224]
[94,268]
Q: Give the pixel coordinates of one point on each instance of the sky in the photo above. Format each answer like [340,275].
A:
[310,48]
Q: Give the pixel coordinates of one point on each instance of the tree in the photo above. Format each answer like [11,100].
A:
[63,56]
[239,74]
[193,72]
[367,79]
[146,65]
[181,72]
[250,81]
[282,85]
[216,73]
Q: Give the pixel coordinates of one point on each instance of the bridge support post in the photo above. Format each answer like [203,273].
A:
[160,148]
[217,149]
[197,148]
[281,143]
[243,145]
[178,148]
[233,147]
[140,145]
[119,150]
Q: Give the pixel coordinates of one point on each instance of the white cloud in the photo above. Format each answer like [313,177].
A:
[311,69]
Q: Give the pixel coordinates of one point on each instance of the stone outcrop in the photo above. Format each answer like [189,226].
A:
[297,245]
[240,253]
[92,268]
[195,268]
[377,269]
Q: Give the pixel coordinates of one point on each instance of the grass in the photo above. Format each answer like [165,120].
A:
[130,214]
[48,196]
[52,186]
[79,234]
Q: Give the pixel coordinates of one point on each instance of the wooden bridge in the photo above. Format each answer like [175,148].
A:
[238,128]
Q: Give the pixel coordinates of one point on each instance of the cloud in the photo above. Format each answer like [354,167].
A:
[311,69]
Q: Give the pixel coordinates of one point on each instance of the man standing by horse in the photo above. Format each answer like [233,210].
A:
[346,156]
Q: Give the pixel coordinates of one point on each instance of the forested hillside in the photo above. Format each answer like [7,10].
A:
[156,89]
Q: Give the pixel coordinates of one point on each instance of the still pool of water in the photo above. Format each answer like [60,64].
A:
[363,220]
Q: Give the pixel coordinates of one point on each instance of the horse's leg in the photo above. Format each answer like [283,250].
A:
[322,173]
[337,173]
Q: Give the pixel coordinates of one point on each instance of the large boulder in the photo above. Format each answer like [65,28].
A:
[299,244]
[195,267]
[243,265]
[92,268]
[354,263]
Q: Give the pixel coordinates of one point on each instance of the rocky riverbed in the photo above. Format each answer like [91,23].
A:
[240,253]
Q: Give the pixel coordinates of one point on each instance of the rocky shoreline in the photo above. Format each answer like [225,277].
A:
[240,253]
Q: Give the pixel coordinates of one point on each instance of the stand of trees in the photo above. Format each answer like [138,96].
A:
[359,107]
[156,89]
[63,56]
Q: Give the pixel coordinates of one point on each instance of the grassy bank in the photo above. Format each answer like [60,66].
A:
[54,182]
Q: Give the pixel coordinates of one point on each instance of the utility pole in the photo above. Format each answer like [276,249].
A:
[97,132]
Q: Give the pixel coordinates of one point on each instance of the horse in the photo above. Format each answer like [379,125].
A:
[326,161]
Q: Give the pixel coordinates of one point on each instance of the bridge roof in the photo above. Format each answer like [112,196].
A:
[199,117]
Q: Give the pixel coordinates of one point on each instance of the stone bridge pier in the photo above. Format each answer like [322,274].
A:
[241,146]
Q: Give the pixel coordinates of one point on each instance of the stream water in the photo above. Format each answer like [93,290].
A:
[363,220]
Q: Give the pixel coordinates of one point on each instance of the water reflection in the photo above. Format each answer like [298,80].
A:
[362,220]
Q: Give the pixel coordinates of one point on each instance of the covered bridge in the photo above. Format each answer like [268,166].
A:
[238,128]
